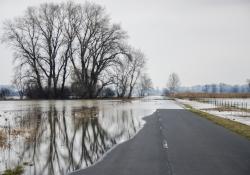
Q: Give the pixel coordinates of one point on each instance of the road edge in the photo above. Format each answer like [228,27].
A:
[234,126]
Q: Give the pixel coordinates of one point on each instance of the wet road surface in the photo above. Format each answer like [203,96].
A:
[178,142]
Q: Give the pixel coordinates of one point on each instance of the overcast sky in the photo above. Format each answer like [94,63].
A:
[203,41]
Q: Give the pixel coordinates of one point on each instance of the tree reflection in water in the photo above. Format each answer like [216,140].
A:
[59,140]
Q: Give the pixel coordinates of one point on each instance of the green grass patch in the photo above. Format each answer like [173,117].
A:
[239,128]
[16,171]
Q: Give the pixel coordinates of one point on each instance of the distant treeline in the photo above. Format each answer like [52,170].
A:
[216,88]
[221,90]
[73,50]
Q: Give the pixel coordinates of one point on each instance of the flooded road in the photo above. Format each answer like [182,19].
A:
[57,137]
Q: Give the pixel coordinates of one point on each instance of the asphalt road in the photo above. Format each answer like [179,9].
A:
[177,142]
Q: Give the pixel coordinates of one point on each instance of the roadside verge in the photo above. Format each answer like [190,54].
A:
[239,128]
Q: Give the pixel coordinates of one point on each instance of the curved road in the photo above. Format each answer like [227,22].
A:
[177,142]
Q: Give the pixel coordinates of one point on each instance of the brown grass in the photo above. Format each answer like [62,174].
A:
[2,138]
[27,133]
[86,112]
[193,96]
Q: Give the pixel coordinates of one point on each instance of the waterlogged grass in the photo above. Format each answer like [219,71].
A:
[239,128]
[16,171]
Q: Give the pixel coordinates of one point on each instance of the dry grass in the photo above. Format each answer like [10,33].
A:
[239,128]
[28,133]
[2,138]
[194,96]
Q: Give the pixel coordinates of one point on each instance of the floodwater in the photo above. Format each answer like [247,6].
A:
[60,136]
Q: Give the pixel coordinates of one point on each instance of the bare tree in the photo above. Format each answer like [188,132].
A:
[145,85]
[121,84]
[136,67]
[173,82]
[53,41]
[127,72]
[42,40]
[19,83]
[50,20]
[38,43]
[99,44]
[22,35]
[70,25]
[121,74]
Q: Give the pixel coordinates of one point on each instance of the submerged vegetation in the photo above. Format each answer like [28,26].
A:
[18,170]
[239,128]
[2,138]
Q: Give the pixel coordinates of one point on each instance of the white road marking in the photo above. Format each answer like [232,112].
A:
[165,144]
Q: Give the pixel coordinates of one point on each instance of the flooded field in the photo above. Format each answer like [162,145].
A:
[240,103]
[57,137]
[235,109]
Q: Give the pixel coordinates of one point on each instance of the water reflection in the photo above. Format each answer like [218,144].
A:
[57,137]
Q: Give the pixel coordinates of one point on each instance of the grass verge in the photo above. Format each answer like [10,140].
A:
[239,128]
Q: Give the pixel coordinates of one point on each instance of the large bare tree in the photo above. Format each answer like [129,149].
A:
[99,45]
[39,45]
